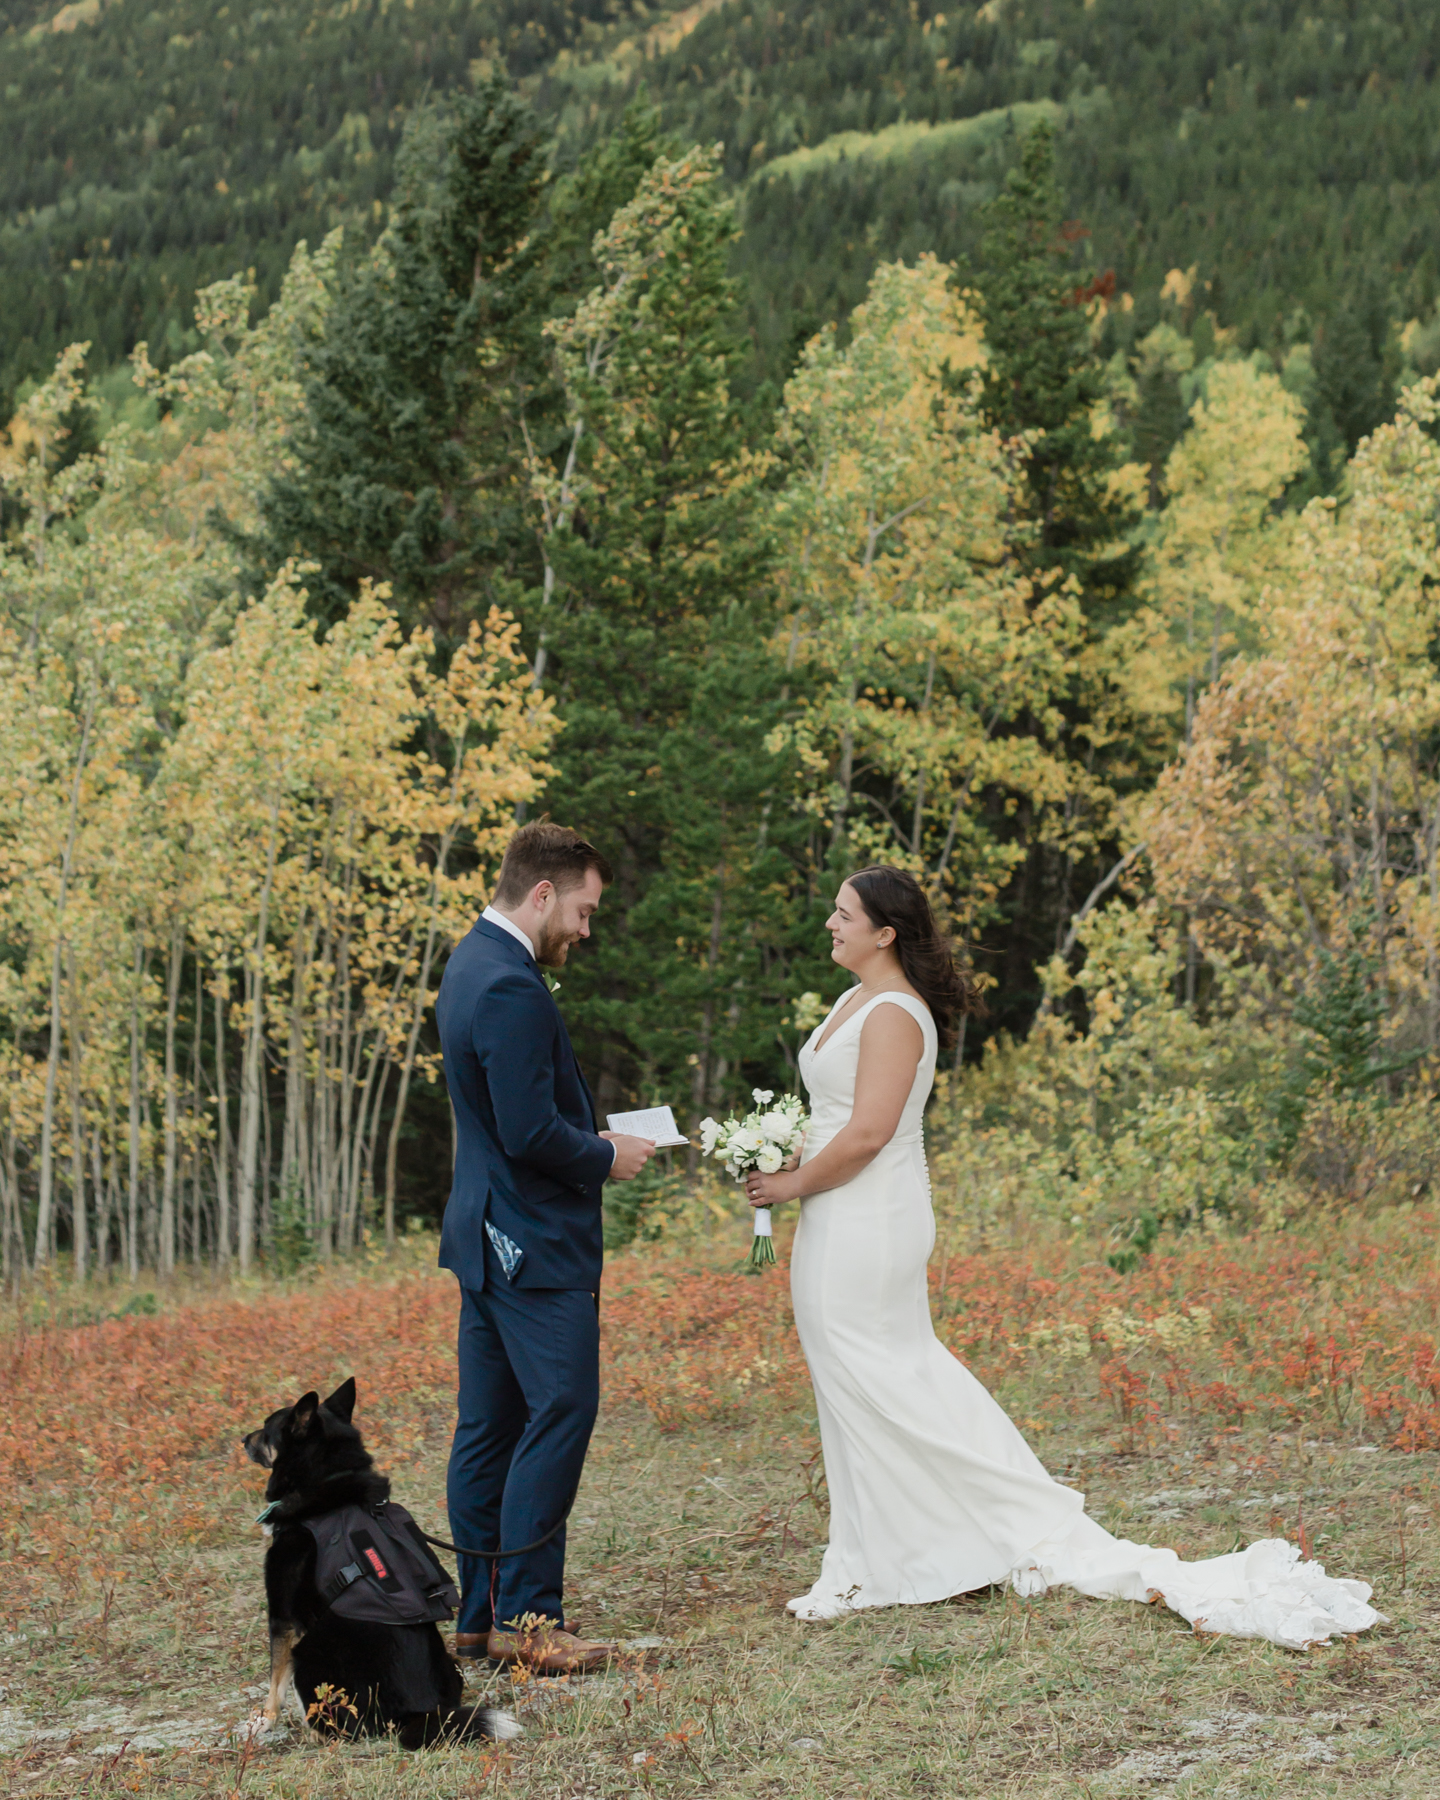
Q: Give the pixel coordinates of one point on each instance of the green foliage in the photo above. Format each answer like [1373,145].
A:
[1045,388]
[1149,1109]
[1343,1011]
[291,1244]
[920,614]
[1043,380]
[1139,1242]
[399,472]
[583,201]
[1356,361]
[1272,151]
[1342,1016]
[653,634]
[637,1211]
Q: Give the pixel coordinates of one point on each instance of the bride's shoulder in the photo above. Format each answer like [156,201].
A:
[888,1020]
[908,998]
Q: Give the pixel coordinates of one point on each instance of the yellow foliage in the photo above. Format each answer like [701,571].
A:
[919,640]
[1305,813]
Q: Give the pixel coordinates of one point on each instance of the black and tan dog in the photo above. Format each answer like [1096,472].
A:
[354,1676]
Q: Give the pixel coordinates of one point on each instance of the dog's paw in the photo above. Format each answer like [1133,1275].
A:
[501,1725]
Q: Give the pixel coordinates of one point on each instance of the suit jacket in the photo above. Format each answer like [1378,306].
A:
[527,1157]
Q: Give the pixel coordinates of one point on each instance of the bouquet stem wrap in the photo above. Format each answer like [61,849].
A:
[762,1247]
[765,1140]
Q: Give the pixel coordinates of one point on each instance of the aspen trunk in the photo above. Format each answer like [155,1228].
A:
[251,1077]
[402,1092]
[133,1234]
[45,1218]
[222,1134]
[172,1101]
[79,1220]
[10,1222]
[417,1015]
[197,1057]
[112,1192]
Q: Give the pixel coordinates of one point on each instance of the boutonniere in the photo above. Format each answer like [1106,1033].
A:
[550,982]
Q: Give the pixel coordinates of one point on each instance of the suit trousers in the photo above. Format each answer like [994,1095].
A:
[529,1364]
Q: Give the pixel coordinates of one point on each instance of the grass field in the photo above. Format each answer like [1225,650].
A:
[1227,1388]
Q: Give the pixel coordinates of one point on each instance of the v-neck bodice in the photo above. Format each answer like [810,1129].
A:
[829,1069]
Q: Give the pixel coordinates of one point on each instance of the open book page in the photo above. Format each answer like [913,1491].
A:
[656,1122]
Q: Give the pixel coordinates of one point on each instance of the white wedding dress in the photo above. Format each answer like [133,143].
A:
[933,1491]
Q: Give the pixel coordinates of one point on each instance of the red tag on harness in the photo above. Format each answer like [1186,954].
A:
[373,1558]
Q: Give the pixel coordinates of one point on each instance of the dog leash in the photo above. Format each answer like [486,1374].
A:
[494,1556]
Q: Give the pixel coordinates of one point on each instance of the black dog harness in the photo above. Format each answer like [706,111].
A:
[374,1567]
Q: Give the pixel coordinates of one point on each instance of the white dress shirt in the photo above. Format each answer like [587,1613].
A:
[523,937]
[498,918]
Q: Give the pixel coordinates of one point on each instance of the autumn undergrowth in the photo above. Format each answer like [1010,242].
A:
[1225,1387]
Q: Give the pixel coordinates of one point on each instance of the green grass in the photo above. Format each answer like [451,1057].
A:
[910,140]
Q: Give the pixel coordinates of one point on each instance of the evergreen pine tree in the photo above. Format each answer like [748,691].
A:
[1355,369]
[584,201]
[406,468]
[1044,388]
[1043,378]
[659,664]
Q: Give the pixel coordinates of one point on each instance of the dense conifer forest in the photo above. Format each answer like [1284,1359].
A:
[1286,155]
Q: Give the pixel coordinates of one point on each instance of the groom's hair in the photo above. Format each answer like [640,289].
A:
[546,852]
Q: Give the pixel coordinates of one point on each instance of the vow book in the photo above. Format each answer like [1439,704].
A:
[656,1122]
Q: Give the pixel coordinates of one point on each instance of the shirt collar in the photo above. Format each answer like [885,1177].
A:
[520,937]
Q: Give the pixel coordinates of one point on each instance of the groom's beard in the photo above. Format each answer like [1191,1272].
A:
[553,946]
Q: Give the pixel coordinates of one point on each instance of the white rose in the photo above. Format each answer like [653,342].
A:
[769,1159]
[775,1127]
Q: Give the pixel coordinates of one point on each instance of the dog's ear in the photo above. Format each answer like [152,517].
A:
[342,1402]
[302,1414]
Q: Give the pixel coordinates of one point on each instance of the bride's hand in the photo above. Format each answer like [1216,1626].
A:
[771,1190]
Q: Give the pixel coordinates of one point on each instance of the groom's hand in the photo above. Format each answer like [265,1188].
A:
[631,1154]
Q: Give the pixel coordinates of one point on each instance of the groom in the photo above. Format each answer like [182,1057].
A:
[522,1233]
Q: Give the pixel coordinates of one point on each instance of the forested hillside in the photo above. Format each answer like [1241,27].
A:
[1285,155]
[150,149]
[1290,153]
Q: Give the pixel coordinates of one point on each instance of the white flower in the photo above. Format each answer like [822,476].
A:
[775,1127]
[746,1140]
[709,1132]
[769,1159]
[762,1096]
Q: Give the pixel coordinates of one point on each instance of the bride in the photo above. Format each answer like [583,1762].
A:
[933,1491]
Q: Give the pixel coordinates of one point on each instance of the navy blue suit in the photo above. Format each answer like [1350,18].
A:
[530,1165]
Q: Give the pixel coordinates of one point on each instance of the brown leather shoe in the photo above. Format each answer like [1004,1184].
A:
[475,1645]
[549,1650]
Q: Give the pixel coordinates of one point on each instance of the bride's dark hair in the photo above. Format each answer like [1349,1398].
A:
[895,898]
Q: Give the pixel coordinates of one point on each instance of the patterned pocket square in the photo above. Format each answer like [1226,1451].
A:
[510,1254]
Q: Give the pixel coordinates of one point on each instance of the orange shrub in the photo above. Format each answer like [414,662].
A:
[118,1436]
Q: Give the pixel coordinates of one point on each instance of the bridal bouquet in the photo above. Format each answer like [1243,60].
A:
[765,1139]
